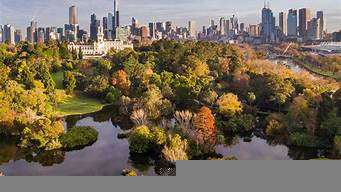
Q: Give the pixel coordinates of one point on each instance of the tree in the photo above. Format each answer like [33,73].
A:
[229,105]
[69,82]
[97,86]
[121,80]
[337,100]
[235,62]
[25,75]
[80,54]
[113,95]
[47,79]
[204,124]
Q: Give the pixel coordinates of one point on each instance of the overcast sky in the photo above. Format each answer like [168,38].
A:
[55,12]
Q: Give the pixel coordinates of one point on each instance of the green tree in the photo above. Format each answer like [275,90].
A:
[69,82]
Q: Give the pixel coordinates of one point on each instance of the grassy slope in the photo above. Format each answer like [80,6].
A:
[79,104]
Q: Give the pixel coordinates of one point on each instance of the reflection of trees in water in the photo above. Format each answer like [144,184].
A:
[8,150]
[163,167]
[298,153]
[122,121]
[141,162]
[49,158]
[231,140]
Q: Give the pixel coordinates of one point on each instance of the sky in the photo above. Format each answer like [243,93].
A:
[19,13]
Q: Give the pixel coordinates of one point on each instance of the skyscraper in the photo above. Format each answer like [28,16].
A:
[268,25]
[313,29]
[192,29]
[116,14]
[110,21]
[93,27]
[222,26]
[152,30]
[292,23]
[73,15]
[32,35]
[320,15]
[234,24]
[8,34]
[304,17]
[283,23]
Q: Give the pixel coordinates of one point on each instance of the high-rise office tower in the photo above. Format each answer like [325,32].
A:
[192,29]
[144,32]
[73,15]
[41,35]
[283,23]
[8,34]
[222,26]
[304,17]
[60,32]
[169,26]
[254,30]
[227,26]
[135,28]
[110,21]
[242,27]
[73,21]
[292,23]
[234,25]
[116,14]
[161,26]
[313,29]
[320,15]
[17,36]
[152,30]
[93,27]
[268,25]
[32,35]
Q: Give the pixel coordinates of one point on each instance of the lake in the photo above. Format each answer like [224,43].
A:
[108,156]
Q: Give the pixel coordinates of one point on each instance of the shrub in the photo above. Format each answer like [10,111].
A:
[276,125]
[128,173]
[113,95]
[78,137]
[229,105]
[139,117]
[303,140]
[159,136]
[176,149]
[242,123]
[140,140]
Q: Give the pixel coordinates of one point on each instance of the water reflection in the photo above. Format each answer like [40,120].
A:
[107,156]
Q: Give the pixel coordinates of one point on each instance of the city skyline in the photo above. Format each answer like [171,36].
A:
[46,13]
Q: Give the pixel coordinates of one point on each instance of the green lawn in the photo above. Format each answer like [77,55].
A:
[58,78]
[79,104]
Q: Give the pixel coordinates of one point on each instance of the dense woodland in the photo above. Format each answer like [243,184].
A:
[211,90]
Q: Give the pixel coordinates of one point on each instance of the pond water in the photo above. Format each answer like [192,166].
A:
[106,157]
[109,155]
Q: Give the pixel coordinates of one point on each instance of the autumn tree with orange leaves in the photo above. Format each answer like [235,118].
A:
[204,124]
[121,80]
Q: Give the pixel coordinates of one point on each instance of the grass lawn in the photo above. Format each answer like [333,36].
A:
[79,104]
[58,78]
